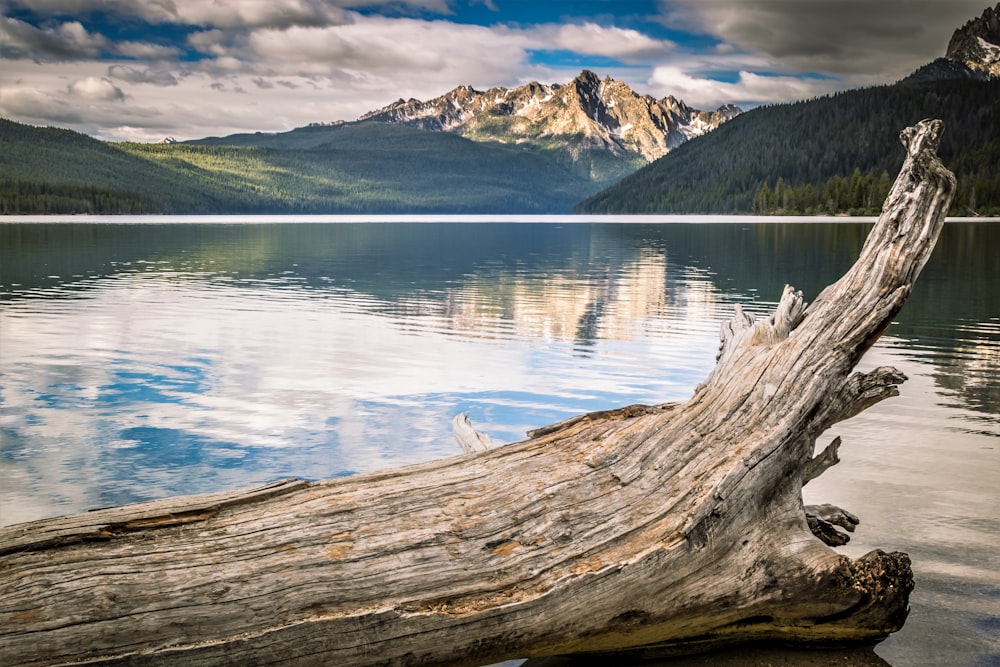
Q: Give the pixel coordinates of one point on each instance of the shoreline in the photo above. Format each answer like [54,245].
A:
[452,218]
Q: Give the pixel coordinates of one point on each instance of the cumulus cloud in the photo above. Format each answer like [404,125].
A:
[432,56]
[229,13]
[278,14]
[750,89]
[69,41]
[94,88]
[66,41]
[413,52]
[36,106]
[210,42]
[147,51]
[131,74]
[593,39]
[37,93]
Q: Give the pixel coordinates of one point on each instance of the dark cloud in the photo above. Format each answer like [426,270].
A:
[66,41]
[97,89]
[881,39]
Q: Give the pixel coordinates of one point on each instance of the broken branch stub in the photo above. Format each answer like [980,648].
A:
[648,529]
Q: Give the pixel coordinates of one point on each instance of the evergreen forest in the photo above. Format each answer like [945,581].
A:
[831,155]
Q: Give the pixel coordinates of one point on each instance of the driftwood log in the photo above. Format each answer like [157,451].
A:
[649,529]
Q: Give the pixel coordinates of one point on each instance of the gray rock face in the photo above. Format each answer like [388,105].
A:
[977,43]
[588,113]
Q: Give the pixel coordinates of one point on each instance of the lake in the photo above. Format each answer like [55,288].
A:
[139,361]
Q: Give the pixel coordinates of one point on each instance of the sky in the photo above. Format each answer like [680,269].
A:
[142,70]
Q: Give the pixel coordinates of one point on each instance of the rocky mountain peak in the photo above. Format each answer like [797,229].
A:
[587,78]
[588,113]
[977,43]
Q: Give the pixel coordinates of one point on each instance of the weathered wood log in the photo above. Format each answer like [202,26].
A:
[822,462]
[469,439]
[646,529]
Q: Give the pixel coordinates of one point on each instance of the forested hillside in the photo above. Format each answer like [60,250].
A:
[828,155]
[831,155]
[352,168]
[49,170]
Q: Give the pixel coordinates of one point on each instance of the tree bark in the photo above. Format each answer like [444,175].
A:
[649,529]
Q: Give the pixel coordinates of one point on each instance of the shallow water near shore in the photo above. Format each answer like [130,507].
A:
[139,361]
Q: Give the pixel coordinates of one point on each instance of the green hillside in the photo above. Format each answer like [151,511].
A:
[827,155]
[49,170]
[352,168]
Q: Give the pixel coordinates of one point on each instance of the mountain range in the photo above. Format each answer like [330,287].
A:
[597,129]
[532,149]
[541,148]
[586,114]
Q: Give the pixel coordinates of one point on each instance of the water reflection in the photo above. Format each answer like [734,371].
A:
[736,657]
[158,366]
[144,361]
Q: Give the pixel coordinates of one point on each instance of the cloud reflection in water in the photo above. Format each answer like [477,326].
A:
[157,383]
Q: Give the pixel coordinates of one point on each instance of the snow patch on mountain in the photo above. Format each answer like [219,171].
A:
[977,44]
[990,52]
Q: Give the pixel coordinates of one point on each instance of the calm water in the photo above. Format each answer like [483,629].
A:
[143,361]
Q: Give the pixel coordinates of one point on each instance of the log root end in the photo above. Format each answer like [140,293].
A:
[885,581]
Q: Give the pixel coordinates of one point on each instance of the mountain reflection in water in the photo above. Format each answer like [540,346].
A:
[142,361]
